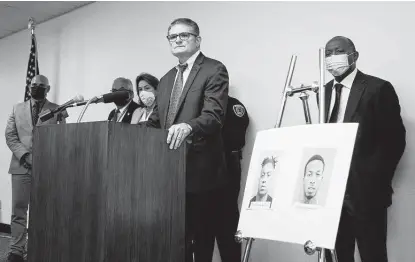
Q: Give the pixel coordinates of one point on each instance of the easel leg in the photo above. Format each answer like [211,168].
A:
[321,255]
[334,255]
[247,250]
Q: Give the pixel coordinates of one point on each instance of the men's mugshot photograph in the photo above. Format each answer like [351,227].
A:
[314,177]
[199,131]
[264,184]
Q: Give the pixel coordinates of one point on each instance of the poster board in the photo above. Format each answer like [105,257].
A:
[296,183]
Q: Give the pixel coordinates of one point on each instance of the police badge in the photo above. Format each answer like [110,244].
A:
[239,110]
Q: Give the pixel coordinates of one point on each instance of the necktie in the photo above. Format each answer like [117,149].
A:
[335,113]
[115,118]
[35,112]
[175,95]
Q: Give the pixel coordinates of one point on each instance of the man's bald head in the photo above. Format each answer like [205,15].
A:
[343,41]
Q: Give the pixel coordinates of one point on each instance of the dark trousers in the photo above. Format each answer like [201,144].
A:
[201,219]
[370,233]
[228,217]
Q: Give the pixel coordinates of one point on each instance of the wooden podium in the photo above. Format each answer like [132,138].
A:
[106,192]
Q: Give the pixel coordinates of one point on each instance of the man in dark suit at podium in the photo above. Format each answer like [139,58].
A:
[380,142]
[192,104]
[19,136]
[125,109]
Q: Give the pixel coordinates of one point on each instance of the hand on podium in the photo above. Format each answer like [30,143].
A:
[177,134]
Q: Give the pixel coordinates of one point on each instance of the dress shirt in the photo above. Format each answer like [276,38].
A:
[189,63]
[123,110]
[186,72]
[347,83]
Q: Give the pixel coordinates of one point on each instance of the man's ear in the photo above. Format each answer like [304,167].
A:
[356,56]
[47,89]
[198,41]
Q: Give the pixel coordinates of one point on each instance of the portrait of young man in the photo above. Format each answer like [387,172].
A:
[263,196]
[312,179]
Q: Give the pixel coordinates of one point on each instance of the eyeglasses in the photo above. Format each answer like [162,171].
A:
[183,36]
[120,89]
[35,86]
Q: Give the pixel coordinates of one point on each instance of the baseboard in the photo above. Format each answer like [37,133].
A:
[5,228]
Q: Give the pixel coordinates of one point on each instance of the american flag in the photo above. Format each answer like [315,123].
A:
[32,67]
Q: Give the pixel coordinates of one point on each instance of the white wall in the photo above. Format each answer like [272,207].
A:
[83,51]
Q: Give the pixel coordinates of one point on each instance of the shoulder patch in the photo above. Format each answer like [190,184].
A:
[239,110]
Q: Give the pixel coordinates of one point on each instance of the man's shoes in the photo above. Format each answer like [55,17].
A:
[14,258]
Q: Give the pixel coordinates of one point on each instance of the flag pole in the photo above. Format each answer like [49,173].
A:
[32,26]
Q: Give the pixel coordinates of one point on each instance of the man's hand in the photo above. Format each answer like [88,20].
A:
[28,159]
[177,134]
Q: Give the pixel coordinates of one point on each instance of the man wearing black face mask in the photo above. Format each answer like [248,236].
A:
[19,134]
[125,108]
[380,142]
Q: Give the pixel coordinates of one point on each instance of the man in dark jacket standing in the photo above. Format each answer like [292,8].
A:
[234,130]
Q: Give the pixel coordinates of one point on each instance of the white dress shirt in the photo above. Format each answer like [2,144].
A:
[347,83]
[146,114]
[189,63]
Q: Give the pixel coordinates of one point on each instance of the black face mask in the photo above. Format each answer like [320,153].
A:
[121,103]
[38,93]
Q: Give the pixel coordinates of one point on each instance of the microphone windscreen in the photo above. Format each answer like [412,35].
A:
[78,98]
[112,97]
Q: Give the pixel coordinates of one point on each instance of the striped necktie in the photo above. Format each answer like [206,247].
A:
[175,95]
[35,112]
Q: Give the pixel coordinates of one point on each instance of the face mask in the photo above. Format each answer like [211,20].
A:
[147,98]
[337,65]
[122,102]
[38,93]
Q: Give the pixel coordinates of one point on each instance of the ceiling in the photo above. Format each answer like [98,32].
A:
[14,16]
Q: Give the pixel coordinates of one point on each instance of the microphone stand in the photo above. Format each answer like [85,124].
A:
[85,108]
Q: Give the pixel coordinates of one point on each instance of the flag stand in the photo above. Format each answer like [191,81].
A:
[32,65]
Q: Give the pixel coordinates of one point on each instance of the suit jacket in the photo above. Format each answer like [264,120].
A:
[202,105]
[380,141]
[19,132]
[131,109]
[138,114]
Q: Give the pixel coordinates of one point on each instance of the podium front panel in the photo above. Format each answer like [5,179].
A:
[106,192]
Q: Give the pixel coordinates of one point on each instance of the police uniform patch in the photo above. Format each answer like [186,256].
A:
[239,110]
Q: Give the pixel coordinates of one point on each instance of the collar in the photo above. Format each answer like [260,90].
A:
[348,80]
[123,108]
[191,60]
[34,101]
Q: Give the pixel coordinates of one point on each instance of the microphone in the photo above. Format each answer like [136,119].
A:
[76,99]
[48,114]
[106,98]
[114,96]
[77,104]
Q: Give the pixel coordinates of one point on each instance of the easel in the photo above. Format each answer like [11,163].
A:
[289,91]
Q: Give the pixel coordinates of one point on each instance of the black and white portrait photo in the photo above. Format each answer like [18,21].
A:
[314,176]
[264,188]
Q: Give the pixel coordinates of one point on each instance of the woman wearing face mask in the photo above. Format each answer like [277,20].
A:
[147,92]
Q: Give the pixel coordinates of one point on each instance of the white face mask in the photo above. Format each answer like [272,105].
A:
[147,98]
[337,65]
